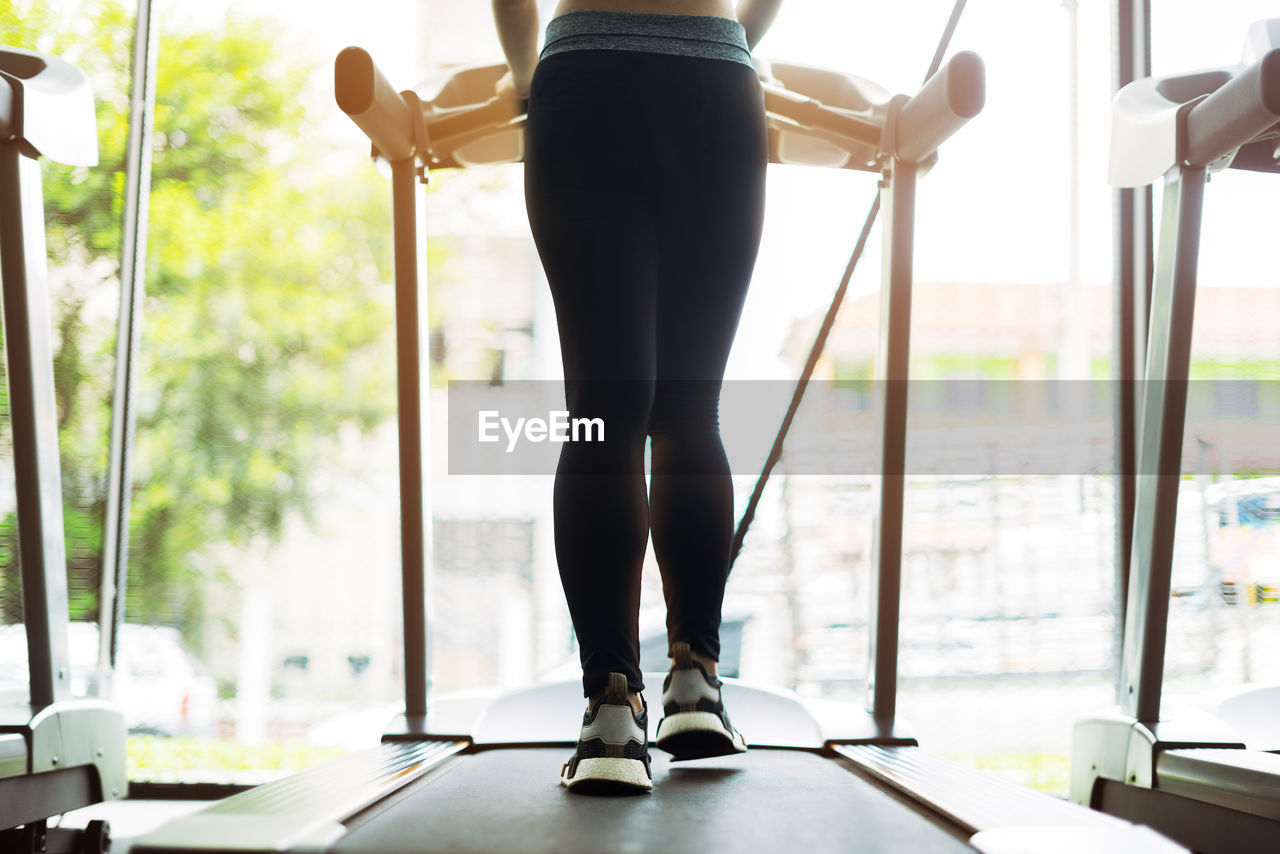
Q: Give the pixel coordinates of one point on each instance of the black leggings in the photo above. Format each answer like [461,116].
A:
[644,181]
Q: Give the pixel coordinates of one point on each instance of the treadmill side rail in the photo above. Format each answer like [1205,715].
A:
[1242,780]
[31,798]
[304,811]
[986,805]
[1114,746]
[1129,838]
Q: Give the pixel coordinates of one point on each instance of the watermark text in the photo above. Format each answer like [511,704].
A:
[556,427]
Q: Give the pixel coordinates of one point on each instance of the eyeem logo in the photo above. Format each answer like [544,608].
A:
[557,427]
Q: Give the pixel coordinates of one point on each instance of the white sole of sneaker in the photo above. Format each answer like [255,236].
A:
[697,734]
[618,772]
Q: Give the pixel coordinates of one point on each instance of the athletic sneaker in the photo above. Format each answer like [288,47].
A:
[694,724]
[613,749]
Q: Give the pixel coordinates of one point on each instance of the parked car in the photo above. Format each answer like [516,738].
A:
[160,688]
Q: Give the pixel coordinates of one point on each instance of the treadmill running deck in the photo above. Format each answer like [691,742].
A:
[510,800]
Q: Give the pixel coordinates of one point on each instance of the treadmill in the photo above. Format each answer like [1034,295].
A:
[864,786]
[1186,772]
[57,753]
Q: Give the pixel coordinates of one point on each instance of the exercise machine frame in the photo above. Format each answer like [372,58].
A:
[1186,773]
[56,753]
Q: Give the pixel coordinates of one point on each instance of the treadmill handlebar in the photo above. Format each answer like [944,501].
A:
[397,122]
[403,127]
[495,112]
[946,102]
[1238,111]
[364,94]
[807,112]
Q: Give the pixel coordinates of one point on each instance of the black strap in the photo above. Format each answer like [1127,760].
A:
[820,342]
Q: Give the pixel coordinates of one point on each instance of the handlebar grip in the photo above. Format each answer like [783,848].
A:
[810,113]
[943,105]
[487,114]
[1243,107]
[364,94]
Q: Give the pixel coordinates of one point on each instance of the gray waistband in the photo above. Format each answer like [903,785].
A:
[684,35]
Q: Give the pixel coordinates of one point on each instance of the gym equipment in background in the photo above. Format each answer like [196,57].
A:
[1187,773]
[56,753]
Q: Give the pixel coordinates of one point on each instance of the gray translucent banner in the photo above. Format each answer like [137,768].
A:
[954,427]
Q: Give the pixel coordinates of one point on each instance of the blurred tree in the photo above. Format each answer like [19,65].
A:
[267,323]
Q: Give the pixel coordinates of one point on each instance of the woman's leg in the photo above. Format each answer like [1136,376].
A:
[604,309]
[710,222]
[591,222]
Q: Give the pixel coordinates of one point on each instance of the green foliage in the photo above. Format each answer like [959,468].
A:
[966,366]
[1247,368]
[164,760]
[1046,772]
[268,311]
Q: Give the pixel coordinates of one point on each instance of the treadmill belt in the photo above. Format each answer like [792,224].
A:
[510,800]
